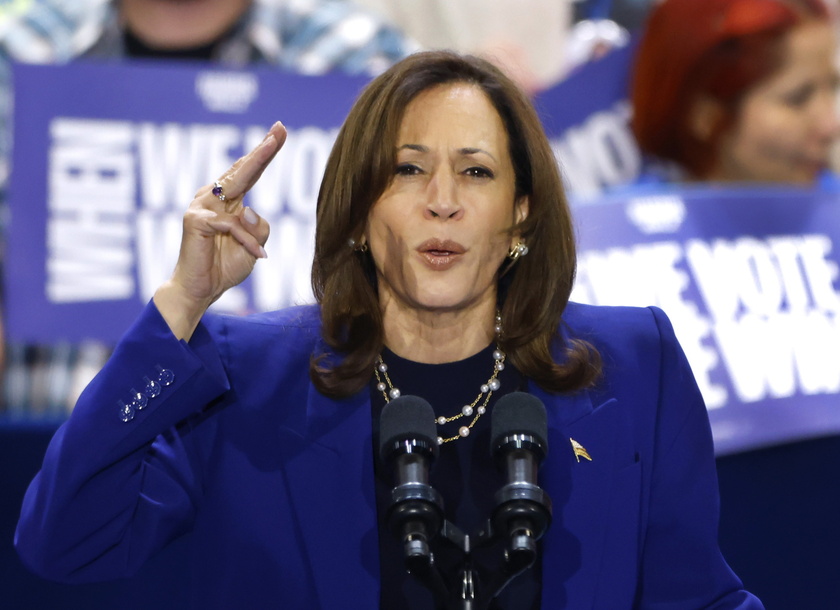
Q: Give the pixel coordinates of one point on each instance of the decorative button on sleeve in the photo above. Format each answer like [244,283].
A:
[126,411]
[151,389]
[138,400]
[165,376]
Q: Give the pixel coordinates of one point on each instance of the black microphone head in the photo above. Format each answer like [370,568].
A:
[406,418]
[519,413]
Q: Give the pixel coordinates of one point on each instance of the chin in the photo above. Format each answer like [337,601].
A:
[439,303]
[442,301]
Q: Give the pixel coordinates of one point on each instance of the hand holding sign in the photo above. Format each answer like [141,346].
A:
[222,239]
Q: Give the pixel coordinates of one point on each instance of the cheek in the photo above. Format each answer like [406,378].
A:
[495,245]
[769,130]
[383,227]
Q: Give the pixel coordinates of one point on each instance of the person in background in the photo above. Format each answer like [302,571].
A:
[526,38]
[307,37]
[737,91]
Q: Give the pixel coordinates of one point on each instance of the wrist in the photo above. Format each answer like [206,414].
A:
[181,311]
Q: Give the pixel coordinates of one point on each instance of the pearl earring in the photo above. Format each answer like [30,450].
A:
[520,249]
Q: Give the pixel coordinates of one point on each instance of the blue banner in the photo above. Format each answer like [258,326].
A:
[106,158]
[587,117]
[749,279]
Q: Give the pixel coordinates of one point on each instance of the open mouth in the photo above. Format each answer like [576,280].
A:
[441,253]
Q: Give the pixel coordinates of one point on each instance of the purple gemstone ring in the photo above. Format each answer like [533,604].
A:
[218,191]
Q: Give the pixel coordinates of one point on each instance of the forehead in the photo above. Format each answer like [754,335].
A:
[453,111]
[809,52]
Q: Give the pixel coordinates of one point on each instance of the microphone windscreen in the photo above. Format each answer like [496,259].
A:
[406,417]
[519,413]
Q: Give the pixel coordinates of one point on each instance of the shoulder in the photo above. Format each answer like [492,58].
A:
[637,345]
[301,321]
[611,327]
[286,338]
[640,353]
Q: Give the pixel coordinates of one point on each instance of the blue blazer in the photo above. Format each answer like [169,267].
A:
[275,481]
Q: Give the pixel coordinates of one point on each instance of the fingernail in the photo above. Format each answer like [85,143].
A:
[250,216]
[270,136]
[263,253]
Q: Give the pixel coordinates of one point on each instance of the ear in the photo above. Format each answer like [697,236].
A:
[706,113]
[520,213]
[520,209]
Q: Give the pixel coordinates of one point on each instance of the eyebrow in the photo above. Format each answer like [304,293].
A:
[464,151]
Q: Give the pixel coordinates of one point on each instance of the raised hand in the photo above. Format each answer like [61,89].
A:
[222,239]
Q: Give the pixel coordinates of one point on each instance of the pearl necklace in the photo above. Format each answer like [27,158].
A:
[391,392]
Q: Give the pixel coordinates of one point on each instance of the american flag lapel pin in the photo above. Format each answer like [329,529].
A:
[580,451]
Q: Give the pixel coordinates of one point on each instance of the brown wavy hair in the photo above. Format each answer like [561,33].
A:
[532,296]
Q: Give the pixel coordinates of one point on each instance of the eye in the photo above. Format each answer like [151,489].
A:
[800,96]
[407,169]
[479,172]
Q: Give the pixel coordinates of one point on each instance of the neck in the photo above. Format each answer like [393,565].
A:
[435,337]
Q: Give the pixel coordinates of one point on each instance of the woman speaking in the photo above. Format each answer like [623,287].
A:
[444,260]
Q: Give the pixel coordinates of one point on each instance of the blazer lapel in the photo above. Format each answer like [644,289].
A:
[334,503]
[586,447]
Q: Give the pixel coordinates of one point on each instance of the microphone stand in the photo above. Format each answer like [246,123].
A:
[475,588]
[520,518]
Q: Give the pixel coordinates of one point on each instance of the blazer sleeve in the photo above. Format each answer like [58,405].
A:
[110,493]
[682,565]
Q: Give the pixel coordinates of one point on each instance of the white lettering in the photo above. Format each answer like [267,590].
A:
[287,281]
[599,153]
[176,160]
[158,239]
[90,207]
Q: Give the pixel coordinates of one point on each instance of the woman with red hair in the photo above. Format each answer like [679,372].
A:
[738,90]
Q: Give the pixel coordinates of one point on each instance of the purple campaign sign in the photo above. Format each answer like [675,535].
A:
[106,159]
[587,118]
[749,279]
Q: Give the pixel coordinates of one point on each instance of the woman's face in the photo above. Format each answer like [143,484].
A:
[438,233]
[787,124]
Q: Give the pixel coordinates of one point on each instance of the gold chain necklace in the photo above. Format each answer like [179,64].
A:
[474,409]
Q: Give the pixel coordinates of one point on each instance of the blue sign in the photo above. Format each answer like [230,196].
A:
[107,157]
[587,117]
[749,279]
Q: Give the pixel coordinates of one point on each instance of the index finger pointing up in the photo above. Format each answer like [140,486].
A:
[243,174]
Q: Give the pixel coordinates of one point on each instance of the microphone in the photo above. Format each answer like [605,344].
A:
[408,440]
[519,429]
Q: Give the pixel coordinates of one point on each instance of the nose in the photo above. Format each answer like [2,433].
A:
[443,200]
[829,118]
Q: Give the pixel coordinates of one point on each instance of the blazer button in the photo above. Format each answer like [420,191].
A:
[138,400]
[152,388]
[126,412]
[165,376]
